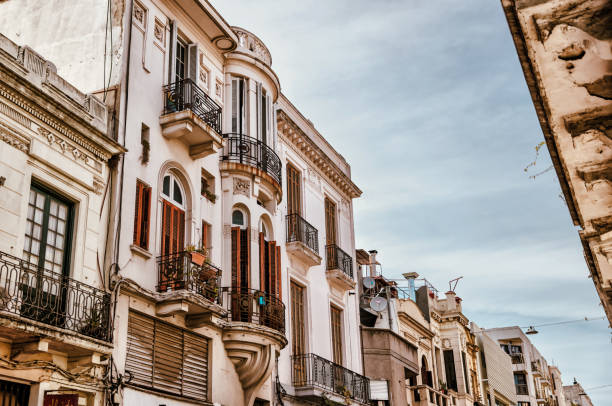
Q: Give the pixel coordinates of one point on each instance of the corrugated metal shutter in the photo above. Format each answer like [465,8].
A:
[166,358]
[139,359]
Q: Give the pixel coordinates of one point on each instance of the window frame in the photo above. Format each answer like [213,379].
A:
[336,316]
[294,190]
[331,221]
[142,190]
[69,226]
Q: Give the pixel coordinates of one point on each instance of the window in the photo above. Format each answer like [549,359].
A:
[206,237]
[269,264]
[144,142]
[449,368]
[330,221]
[13,393]
[294,200]
[173,216]
[516,349]
[141,215]
[207,186]
[180,60]
[48,229]
[465,376]
[239,102]
[298,336]
[520,382]
[241,263]
[238,218]
[336,327]
[523,404]
[263,115]
[166,358]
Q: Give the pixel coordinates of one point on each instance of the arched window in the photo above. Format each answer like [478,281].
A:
[269,260]
[173,215]
[241,263]
[172,190]
[238,218]
[425,375]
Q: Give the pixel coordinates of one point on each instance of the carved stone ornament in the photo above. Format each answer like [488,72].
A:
[139,13]
[227,230]
[242,187]
[158,31]
[98,185]
[12,139]
[219,90]
[445,343]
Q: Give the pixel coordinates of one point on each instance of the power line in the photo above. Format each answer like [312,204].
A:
[567,322]
[598,387]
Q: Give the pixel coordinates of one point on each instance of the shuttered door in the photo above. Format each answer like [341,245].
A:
[139,359]
[330,221]
[241,257]
[167,358]
[293,191]
[141,215]
[298,344]
[336,326]
[173,228]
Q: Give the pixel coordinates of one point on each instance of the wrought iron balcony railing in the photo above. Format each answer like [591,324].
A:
[311,370]
[254,306]
[251,151]
[338,259]
[300,230]
[186,95]
[517,358]
[39,294]
[180,271]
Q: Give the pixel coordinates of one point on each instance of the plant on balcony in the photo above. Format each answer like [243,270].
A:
[443,387]
[209,195]
[197,255]
[346,393]
[94,323]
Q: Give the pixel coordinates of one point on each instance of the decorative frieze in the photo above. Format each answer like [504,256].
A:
[13,139]
[242,187]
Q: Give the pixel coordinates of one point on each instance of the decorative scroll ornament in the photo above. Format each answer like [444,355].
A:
[242,187]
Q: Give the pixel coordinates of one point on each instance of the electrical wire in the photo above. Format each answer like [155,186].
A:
[566,322]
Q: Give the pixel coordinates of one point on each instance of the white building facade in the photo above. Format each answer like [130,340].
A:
[231,223]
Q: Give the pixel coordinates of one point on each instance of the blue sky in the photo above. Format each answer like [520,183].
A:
[427,102]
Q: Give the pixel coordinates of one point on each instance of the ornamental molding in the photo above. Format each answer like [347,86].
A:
[13,139]
[242,187]
[293,135]
[250,42]
[37,112]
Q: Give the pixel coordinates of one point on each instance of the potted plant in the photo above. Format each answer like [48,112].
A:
[197,256]
[443,387]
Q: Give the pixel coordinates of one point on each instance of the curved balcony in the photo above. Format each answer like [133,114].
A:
[255,307]
[253,335]
[253,153]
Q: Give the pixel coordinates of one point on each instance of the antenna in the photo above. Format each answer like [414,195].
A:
[452,287]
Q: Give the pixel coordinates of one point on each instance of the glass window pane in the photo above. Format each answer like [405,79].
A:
[178,197]
[53,208]
[40,200]
[61,227]
[237,218]
[38,215]
[63,212]
[52,223]
[166,186]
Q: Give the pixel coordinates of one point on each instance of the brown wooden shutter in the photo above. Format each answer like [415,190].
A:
[336,326]
[262,262]
[166,358]
[137,212]
[141,215]
[173,229]
[293,191]
[279,285]
[298,346]
[330,221]
[235,257]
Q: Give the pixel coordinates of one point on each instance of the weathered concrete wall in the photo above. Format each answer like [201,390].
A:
[72,34]
[565,50]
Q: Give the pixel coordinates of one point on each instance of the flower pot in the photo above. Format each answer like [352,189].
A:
[197,258]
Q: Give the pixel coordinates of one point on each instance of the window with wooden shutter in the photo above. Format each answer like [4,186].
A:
[449,368]
[173,229]
[294,200]
[241,258]
[336,326]
[142,215]
[298,336]
[166,358]
[330,221]
[269,266]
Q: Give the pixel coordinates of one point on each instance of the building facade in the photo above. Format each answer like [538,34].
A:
[55,159]
[231,223]
[575,395]
[564,50]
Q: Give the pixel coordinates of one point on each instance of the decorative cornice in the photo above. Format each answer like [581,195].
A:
[292,134]
[13,139]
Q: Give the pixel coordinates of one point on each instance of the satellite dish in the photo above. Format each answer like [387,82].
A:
[378,303]
[369,282]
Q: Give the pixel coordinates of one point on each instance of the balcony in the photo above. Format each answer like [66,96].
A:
[314,376]
[425,395]
[517,358]
[191,116]
[302,240]
[253,334]
[188,285]
[247,154]
[40,296]
[536,369]
[339,268]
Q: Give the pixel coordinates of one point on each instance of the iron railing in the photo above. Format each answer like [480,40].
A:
[521,389]
[300,230]
[186,95]
[251,151]
[338,259]
[517,358]
[39,294]
[178,271]
[254,306]
[311,370]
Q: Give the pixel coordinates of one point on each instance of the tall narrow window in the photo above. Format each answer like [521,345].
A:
[242,308]
[294,198]
[173,216]
[336,327]
[465,375]
[180,60]
[269,264]
[330,221]
[263,115]
[298,336]
[47,235]
[206,238]
[449,368]
[141,215]
[239,103]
